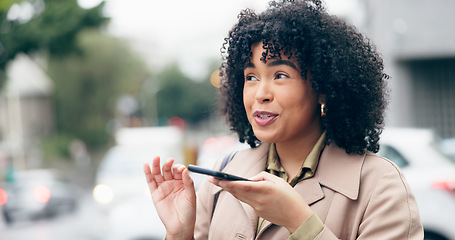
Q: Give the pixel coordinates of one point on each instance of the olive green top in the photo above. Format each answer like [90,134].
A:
[311,228]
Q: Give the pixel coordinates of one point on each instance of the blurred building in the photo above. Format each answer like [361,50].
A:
[417,40]
[25,111]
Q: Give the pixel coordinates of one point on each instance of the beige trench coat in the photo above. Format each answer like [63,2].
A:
[355,196]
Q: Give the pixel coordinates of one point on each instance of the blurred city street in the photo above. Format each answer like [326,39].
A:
[130,214]
[86,222]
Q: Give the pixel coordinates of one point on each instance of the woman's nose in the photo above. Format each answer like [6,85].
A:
[264,92]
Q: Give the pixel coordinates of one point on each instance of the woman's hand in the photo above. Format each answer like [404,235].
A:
[174,197]
[271,197]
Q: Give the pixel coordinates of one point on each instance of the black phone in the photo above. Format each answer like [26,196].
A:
[216,174]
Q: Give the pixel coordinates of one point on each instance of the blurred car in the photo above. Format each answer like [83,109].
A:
[430,174]
[121,190]
[448,147]
[213,149]
[38,193]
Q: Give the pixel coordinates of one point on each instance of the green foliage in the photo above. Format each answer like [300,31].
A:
[53,28]
[56,145]
[178,95]
[87,85]
[6,4]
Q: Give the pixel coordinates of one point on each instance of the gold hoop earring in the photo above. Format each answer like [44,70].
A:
[322,110]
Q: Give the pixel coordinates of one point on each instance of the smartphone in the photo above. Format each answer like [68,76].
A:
[216,174]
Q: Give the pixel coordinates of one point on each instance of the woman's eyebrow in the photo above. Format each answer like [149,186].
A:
[282,62]
[249,65]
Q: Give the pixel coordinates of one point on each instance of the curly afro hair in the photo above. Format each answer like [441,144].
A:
[343,64]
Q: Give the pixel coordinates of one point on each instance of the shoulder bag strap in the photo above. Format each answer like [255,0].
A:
[225,162]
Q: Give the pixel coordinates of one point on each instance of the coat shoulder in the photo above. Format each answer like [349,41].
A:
[380,165]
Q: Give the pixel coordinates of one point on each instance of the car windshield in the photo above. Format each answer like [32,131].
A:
[127,160]
[392,154]
[447,147]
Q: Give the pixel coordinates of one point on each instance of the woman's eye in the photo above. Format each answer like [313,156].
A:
[281,75]
[250,78]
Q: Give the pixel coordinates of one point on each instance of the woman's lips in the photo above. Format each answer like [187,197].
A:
[263,118]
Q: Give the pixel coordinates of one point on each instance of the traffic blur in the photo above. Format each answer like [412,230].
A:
[35,194]
[118,203]
[430,174]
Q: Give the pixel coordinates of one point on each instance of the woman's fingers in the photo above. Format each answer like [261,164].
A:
[181,173]
[233,186]
[177,170]
[250,191]
[189,186]
[245,191]
[173,195]
[157,175]
[262,176]
[156,171]
[167,170]
[149,177]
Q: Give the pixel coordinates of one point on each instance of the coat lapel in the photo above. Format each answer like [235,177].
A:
[340,171]
[310,190]
[248,164]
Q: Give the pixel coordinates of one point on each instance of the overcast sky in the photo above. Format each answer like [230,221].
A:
[190,32]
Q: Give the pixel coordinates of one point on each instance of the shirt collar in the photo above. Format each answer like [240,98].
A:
[308,167]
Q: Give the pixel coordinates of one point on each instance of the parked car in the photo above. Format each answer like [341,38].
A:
[34,194]
[448,147]
[121,190]
[430,174]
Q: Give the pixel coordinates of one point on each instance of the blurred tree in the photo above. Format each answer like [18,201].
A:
[49,26]
[179,95]
[6,4]
[88,84]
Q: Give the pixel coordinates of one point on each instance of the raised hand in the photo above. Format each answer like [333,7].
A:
[174,197]
[271,197]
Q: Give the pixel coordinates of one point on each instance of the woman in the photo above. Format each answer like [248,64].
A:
[307,93]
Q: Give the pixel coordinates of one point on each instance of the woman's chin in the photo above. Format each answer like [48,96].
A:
[266,138]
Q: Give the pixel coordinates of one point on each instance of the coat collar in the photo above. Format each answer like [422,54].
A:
[340,171]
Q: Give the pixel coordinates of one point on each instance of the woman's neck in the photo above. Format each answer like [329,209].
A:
[293,153]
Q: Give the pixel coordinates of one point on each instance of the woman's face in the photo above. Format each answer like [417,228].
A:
[280,105]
